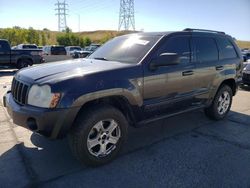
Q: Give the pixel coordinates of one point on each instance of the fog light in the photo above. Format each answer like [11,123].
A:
[31,123]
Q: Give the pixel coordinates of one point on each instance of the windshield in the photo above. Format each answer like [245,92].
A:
[126,49]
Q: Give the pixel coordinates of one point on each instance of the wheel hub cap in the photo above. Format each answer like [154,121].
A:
[103,138]
[224,102]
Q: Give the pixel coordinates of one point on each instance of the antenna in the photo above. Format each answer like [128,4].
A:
[126,17]
[61,13]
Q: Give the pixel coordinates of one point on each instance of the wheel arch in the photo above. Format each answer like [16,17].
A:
[231,83]
[119,102]
[25,58]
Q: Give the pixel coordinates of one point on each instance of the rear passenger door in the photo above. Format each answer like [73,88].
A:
[229,58]
[208,68]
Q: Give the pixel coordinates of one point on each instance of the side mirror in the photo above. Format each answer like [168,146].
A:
[165,59]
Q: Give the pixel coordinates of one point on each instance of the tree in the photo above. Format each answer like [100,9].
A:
[87,41]
[32,36]
[43,39]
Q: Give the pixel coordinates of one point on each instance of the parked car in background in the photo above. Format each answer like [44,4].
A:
[71,49]
[86,51]
[131,80]
[26,46]
[246,55]
[80,54]
[246,75]
[92,47]
[20,58]
[54,50]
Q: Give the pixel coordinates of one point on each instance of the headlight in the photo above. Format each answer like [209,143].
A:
[246,71]
[41,96]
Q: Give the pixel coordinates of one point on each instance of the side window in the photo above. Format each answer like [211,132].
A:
[205,49]
[179,45]
[227,50]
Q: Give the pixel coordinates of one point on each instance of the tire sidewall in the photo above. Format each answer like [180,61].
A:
[215,102]
[23,63]
[87,125]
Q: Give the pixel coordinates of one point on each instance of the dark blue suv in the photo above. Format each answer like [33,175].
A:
[131,80]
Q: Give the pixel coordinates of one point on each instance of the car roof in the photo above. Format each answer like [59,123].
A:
[194,32]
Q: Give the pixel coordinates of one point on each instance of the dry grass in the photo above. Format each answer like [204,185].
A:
[243,44]
[102,35]
[95,36]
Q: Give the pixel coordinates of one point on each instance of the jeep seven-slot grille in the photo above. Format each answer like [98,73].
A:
[19,91]
[246,76]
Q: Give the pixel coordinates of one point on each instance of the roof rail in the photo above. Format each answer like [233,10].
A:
[204,30]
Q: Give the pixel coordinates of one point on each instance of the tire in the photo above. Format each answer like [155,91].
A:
[221,104]
[23,63]
[98,135]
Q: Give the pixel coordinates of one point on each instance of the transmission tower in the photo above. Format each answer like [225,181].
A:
[61,13]
[127,16]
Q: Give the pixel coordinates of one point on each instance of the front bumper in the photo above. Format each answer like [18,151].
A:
[42,60]
[52,123]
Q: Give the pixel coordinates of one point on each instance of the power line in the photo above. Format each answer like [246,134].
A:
[127,15]
[61,13]
[89,6]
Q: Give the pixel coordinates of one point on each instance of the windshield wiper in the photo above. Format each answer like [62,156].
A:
[101,58]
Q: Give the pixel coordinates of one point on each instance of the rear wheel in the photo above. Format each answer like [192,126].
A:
[98,135]
[23,63]
[221,103]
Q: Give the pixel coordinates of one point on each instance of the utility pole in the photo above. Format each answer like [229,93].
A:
[127,16]
[79,23]
[61,13]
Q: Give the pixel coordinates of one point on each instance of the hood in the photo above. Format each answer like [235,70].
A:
[62,70]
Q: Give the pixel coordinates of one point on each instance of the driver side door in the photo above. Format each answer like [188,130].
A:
[170,88]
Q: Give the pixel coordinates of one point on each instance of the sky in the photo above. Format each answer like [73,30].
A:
[230,16]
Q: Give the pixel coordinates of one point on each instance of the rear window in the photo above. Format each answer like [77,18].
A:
[205,49]
[227,50]
[58,48]
[29,47]
[75,48]
[4,46]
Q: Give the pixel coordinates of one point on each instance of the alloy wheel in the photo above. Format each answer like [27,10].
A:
[103,138]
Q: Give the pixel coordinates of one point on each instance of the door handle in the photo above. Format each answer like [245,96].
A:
[219,67]
[187,73]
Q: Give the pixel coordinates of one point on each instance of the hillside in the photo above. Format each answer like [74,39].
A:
[102,35]
[243,44]
[99,36]
[17,35]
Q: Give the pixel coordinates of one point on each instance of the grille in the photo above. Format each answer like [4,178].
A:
[19,91]
[246,76]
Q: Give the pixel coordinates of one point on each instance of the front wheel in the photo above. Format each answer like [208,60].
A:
[221,103]
[98,135]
